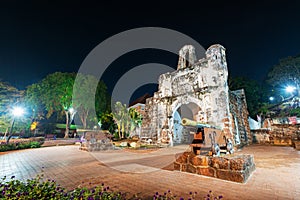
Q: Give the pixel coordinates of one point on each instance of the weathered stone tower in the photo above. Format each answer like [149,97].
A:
[197,90]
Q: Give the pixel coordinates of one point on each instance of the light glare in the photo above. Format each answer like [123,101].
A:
[290,88]
[17,111]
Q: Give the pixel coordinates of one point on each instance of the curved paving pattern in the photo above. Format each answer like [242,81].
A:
[277,174]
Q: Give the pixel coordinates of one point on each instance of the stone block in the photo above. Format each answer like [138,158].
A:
[123,144]
[240,163]
[297,145]
[199,160]
[190,168]
[236,176]
[183,167]
[134,145]
[184,157]
[177,166]
[206,171]
[219,163]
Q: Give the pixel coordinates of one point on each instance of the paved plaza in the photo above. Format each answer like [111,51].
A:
[277,174]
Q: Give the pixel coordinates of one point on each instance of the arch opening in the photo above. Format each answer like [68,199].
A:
[181,134]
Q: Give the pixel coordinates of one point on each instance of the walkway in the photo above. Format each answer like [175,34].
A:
[277,174]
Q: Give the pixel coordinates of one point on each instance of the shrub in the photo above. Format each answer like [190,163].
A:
[41,140]
[15,145]
[6,147]
[35,144]
[38,188]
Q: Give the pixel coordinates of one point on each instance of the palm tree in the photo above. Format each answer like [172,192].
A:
[118,116]
[135,119]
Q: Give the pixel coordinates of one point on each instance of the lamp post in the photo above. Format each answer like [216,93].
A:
[16,112]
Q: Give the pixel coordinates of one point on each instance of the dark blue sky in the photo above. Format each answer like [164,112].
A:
[41,37]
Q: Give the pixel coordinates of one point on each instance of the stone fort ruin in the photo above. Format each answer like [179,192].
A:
[198,91]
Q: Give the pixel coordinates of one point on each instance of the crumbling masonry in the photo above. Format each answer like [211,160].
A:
[197,90]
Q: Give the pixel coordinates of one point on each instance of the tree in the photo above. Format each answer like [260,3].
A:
[54,93]
[136,120]
[286,72]
[33,102]
[107,122]
[256,94]
[83,91]
[122,118]
[58,94]
[126,119]
[9,97]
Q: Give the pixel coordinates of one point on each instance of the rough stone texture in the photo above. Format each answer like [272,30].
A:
[241,162]
[236,176]
[219,163]
[277,134]
[237,168]
[184,157]
[297,145]
[206,171]
[191,168]
[199,161]
[177,166]
[183,167]
[187,57]
[96,141]
[239,117]
[201,88]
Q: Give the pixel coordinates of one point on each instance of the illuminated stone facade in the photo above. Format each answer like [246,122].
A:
[197,90]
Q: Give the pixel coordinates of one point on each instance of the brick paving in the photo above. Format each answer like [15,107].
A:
[277,174]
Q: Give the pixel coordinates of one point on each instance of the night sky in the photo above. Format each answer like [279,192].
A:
[41,37]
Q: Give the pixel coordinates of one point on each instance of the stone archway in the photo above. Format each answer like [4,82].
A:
[182,135]
[198,91]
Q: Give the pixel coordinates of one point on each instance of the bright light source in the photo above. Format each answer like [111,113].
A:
[290,89]
[271,98]
[71,110]
[18,111]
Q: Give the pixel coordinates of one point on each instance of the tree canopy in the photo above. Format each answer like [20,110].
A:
[58,94]
[9,97]
[256,94]
[286,72]
[84,89]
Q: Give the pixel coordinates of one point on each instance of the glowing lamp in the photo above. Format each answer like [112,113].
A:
[290,89]
[18,111]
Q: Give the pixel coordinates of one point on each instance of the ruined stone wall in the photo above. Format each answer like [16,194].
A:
[279,134]
[202,85]
[154,118]
[239,116]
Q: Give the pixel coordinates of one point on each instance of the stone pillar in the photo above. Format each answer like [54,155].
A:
[187,57]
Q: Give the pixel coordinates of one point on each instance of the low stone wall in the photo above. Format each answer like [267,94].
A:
[283,134]
[297,145]
[235,168]
[96,141]
[97,146]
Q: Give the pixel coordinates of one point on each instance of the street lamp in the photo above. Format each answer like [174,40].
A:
[271,98]
[290,89]
[16,112]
